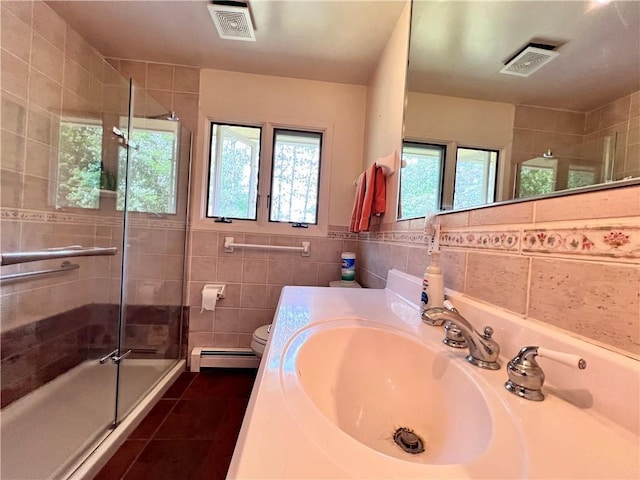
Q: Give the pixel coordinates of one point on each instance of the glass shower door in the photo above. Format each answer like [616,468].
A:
[154,201]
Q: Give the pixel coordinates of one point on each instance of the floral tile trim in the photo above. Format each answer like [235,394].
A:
[601,241]
[394,237]
[505,240]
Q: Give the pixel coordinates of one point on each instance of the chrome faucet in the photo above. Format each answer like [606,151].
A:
[483,350]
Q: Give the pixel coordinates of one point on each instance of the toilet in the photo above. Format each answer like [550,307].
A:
[259,340]
[261,334]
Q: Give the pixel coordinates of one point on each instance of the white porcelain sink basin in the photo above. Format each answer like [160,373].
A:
[370,382]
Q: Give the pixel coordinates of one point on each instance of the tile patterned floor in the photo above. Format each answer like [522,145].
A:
[191,431]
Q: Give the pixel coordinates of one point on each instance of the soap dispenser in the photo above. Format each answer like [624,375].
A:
[433,282]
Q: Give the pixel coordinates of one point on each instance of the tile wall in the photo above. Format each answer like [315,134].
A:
[254,279]
[573,262]
[577,138]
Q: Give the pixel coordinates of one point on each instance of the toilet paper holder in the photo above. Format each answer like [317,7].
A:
[220,288]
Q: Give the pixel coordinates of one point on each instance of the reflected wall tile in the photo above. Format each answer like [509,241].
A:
[22,10]
[201,322]
[417,260]
[78,50]
[44,92]
[48,24]
[616,112]
[256,240]
[225,339]
[232,296]
[186,79]
[204,243]
[9,310]
[15,35]
[330,250]
[200,339]
[135,70]
[13,114]
[186,104]
[570,122]
[534,118]
[76,79]
[498,279]
[36,193]
[273,294]
[327,273]
[453,220]
[595,300]
[15,74]
[12,149]
[42,127]
[159,76]
[164,98]
[46,58]
[11,195]
[39,159]
[280,272]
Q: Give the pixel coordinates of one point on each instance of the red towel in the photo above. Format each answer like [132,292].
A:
[370,198]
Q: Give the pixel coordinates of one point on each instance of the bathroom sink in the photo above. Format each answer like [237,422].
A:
[390,392]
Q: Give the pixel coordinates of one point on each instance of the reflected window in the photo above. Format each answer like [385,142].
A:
[295,176]
[536,177]
[475,177]
[581,176]
[420,179]
[153,171]
[233,171]
[79,164]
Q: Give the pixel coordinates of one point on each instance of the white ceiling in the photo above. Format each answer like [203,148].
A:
[458,48]
[338,41]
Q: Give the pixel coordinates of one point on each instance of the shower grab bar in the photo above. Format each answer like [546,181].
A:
[52,253]
[229,245]
[65,267]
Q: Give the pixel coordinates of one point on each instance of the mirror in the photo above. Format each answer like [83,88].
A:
[574,122]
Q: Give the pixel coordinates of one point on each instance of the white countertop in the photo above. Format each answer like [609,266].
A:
[574,433]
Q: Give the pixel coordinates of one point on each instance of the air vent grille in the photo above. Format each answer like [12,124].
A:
[232,23]
[528,61]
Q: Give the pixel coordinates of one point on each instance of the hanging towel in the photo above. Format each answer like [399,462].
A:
[370,198]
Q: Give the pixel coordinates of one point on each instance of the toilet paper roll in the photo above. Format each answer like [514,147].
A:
[209,298]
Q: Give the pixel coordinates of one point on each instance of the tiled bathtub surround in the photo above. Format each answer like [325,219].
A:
[570,261]
[254,279]
[37,352]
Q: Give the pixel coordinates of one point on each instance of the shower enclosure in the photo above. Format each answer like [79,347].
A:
[94,216]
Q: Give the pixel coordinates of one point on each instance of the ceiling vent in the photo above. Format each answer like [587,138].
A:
[531,58]
[232,20]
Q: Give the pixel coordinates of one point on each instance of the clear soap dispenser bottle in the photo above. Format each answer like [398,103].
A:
[433,281]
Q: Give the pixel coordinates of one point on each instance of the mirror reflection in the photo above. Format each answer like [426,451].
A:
[513,100]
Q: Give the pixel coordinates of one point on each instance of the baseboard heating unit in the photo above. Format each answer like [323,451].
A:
[222,358]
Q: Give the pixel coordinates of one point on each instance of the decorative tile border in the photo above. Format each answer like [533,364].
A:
[504,240]
[394,237]
[602,241]
[39,216]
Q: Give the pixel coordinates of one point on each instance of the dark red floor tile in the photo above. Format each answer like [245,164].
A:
[180,385]
[193,418]
[214,467]
[169,460]
[124,457]
[222,383]
[152,421]
[227,433]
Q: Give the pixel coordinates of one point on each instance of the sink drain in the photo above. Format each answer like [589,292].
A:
[408,441]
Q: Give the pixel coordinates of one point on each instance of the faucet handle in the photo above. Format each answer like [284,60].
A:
[487,332]
[525,375]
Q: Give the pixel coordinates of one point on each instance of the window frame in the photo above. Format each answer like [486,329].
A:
[273,151]
[262,225]
[209,166]
[421,143]
[495,180]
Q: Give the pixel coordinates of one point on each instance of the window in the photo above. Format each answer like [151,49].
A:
[236,166]
[233,171]
[420,179]
[79,164]
[536,176]
[153,171]
[295,177]
[475,177]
